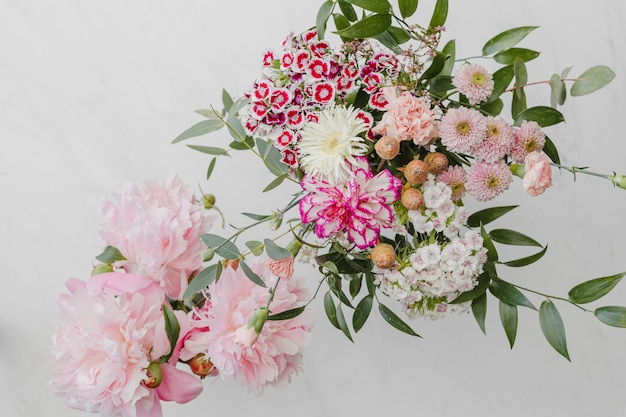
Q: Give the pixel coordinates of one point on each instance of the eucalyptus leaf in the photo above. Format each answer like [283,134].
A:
[376,6]
[274,251]
[255,247]
[331,311]
[479,310]
[275,183]
[508,56]
[566,72]
[367,28]
[391,318]
[211,167]
[407,7]
[208,113]
[347,10]
[508,317]
[516,263]
[612,315]
[440,14]
[235,128]
[486,216]
[202,280]
[507,293]
[323,14]
[594,289]
[252,276]
[210,150]
[592,80]
[257,217]
[246,145]
[199,129]
[227,100]
[552,327]
[362,312]
[172,327]
[271,157]
[225,248]
[511,237]
[543,115]
[506,39]
[558,92]
[110,255]
[287,314]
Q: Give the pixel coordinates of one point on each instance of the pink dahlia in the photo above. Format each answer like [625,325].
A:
[454,177]
[486,180]
[538,175]
[528,138]
[112,331]
[474,81]
[498,140]
[407,117]
[361,206]
[157,229]
[462,129]
[254,360]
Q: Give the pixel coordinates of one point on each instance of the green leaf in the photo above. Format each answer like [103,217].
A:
[389,41]
[252,276]
[486,216]
[494,108]
[550,149]
[592,80]
[203,279]
[288,314]
[516,263]
[521,78]
[275,183]
[506,39]
[566,72]
[246,145]
[391,318]
[323,14]
[612,315]
[343,325]
[227,100]
[199,129]
[407,7]
[479,310]
[507,293]
[440,14]
[274,251]
[210,150]
[439,61]
[552,327]
[271,157]
[362,312]
[441,83]
[172,328]
[225,248]
[492,253]
[508,56]
[355,286]
[399,34]
[347,10]
[376,6]
[255,247]
[477,291]
[341,23]
[518,104]
[369,280]
[508,317]
[511,237]
[235,128]
[501,80]
[211,167]
[331,311]
[367,28]
[543,115]
[208,113]
[449,51]
[594,289]
[254,216]
[558,92]
[110,255]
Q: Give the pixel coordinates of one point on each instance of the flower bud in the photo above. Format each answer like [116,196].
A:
[201,365]
[518,170]
[208,200]
[258,319]
[154,375]
[208,254]
[277,220]
[294,246]
[387,147]
[436,162]
[383,255]
[412,198]
[416,172]
[101,269]
[619,181]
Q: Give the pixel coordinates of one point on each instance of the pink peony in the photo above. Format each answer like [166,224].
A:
[158,230]
[486,180]
[361,206]
[528,138]
[112,330]
[462,129]
[538,174]
[407,117]
[474,81]
[269,358]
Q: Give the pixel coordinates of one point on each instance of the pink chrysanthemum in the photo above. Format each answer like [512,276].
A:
[276,353]
[454,177]
[112,330]
[361,207]
[462,129]
[498,140]
[528,138]
[486,180]
[157,229]
[474,81]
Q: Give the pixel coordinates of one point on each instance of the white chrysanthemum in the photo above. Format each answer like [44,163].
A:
[329,146]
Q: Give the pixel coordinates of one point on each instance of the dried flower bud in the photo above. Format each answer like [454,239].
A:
[387,147]
[416,172]
[201,365]
[436,162]
[412,198]
[154,375]
[383,255]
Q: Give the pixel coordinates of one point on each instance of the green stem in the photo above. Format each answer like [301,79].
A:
[537,83]
[551,297]
[574,170]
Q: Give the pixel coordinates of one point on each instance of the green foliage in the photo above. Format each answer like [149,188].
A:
[172,329]
[210,168]
[341,321]
[501,80]
[224,247]
[391,318]
[552,327]
[200,128]
[209,150]
[594,289]
[347,10]
[479,310]
[367,28]
[550,150]
[488,215]
[331,311]
[362,312]
[492,253]
[508,56]
[612,315]
[592,80]
[440,14]
[252,276]
[506,39]
[274,251]
[507,293]
[376,6]
[287,314]
[436,66]
[517,263]
[110,255]
[483,284]
[543,115]
[558,92]
[508,317]
[511,237]
[271,157]
[323,14]
[449,51]
[255,247]
[407,7]
[204,278]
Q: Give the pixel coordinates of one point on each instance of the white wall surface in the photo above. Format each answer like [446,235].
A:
[91,95]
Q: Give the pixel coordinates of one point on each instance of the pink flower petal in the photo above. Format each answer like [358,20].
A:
[177,385]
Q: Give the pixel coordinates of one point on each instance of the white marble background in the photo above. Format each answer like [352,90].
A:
[92,93]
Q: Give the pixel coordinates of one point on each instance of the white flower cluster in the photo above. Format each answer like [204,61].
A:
[440,266]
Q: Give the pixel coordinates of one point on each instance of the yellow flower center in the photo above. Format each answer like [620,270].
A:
[463,128]
[478,79]
[531,145]
[332,143]
[492,182]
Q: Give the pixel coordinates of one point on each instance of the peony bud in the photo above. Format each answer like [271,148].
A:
[101,269]
[201,365]
[208,200]
[208,254]
[436,162]
[387,147]
[412,198]
[416,172]
[383,255]
[154,374]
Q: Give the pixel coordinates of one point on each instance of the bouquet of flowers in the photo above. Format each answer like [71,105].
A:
[383,134]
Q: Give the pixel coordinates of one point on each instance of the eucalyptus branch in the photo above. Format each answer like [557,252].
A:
[537,83]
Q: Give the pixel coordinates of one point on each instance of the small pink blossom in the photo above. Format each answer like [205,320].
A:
[486,180]
[498,140]
[538,176]
[528,138]
[462,129]
[474,81]
[157,229]
[282,268]
[454,177]
[407,117]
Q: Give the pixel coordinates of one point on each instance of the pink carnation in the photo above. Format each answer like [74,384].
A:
[486,180]
[112,330]
[462,129]
[528,138]
[538,174]
[157,229]
[407,117]
[282,268]
[270,359]
[474,81]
